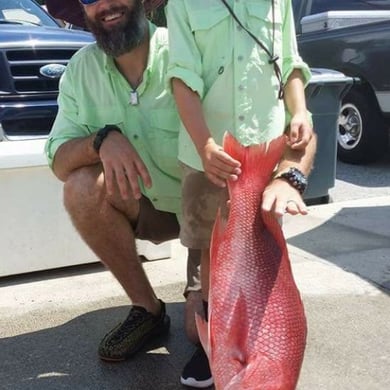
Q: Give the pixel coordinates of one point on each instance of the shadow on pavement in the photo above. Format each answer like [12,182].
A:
[65,357]
[356,239]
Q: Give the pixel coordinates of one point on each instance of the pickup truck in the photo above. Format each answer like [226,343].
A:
[34,51]
[352,37]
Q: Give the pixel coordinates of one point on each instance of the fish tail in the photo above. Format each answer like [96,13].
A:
[258,159]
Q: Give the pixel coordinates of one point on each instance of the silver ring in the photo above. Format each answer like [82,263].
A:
[293,201]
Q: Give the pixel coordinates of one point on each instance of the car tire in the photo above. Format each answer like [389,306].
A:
[362,134]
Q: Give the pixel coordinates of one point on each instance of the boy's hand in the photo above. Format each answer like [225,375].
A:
[218,165]
[300,132]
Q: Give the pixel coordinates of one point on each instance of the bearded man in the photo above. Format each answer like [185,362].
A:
[71,11]
[114,145]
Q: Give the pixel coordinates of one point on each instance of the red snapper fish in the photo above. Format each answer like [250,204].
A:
[256,333]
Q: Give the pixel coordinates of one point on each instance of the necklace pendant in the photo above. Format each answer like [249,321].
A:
[134,98]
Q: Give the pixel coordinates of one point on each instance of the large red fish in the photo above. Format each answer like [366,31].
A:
[256,334]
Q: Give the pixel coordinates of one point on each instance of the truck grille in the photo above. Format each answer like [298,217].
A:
[24,66]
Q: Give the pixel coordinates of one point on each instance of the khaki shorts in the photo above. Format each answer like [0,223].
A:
[201,200]
[159,226]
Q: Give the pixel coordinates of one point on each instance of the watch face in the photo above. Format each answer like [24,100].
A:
[296,178]
[299,176]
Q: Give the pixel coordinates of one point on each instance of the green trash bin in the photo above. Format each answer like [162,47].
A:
[323,97]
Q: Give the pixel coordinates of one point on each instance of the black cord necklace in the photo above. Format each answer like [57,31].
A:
[273,58]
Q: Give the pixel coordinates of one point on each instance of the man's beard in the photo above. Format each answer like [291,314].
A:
[125,36]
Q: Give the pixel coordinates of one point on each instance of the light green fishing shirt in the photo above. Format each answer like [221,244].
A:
[94,93]
[216,58]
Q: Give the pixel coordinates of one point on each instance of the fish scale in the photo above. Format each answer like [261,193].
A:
[256,333]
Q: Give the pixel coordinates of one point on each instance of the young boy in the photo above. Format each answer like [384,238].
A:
[234,67]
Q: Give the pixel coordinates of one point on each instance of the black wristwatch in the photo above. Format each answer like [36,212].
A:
[102,134]
[295,178]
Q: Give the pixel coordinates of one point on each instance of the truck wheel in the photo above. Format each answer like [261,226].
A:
[362,134]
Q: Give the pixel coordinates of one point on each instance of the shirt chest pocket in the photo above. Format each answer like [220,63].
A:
[201,21]
[162,139]
[96,117]
[265,23]
[207,17]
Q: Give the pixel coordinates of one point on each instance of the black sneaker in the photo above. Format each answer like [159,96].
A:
[132,334]
[196,372]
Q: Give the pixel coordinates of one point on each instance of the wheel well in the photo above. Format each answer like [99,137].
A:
[363,87]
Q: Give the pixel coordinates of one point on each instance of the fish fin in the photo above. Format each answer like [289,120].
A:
[238,328]
[203,333]
[216,237]
[262,373]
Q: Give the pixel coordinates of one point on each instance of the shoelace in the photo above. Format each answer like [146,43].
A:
[135,318]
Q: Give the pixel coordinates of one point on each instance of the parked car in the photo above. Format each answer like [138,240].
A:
[352,37]
[34,51]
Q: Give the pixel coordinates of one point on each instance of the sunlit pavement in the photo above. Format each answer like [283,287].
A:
[52,322]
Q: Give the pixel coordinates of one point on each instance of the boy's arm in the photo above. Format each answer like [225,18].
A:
[218,165]
[296,74]
[300,128]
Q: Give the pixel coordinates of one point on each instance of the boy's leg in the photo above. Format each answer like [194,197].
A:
[193,295]
[200,200]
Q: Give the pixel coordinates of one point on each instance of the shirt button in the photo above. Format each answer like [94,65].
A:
[240,58]
[241,118]
[240,87]
[155,199]
[135,136]
[221,70]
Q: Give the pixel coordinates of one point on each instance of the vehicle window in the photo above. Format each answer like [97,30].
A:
[24,12]
[349,5]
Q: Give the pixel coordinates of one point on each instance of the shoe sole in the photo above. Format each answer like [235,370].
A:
[142,342]
[191,382]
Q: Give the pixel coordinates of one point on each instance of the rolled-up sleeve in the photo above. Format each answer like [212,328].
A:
[65,126]
[184,57]
[291,58]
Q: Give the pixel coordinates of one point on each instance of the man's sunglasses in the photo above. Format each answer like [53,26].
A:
[88,2]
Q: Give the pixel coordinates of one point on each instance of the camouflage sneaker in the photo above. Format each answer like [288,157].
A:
[132,334]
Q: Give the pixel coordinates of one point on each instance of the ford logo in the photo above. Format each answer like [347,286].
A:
[52,71]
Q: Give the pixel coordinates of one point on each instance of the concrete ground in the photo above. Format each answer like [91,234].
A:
[52,322]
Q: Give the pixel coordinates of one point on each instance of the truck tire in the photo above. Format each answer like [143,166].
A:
[362,134]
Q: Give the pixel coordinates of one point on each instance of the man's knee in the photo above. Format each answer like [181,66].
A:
[84,187]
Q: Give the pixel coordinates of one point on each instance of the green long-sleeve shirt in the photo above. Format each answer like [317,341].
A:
[94,93]
[216,58]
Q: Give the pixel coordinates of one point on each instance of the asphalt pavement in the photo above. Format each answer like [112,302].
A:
[51,322]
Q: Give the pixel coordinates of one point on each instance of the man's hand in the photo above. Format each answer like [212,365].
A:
[280,197]
[300,132]
[218,165]
[122,164]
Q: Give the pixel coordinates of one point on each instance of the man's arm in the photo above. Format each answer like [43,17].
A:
[74,154]
[280,197]
[121,163]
